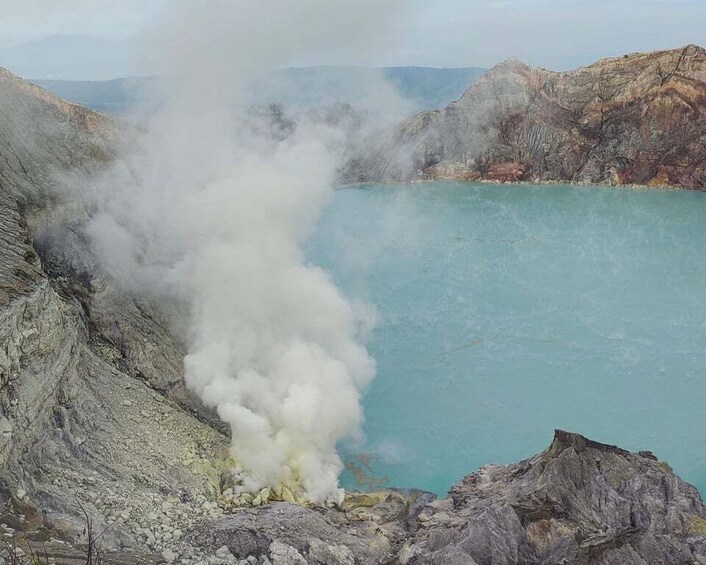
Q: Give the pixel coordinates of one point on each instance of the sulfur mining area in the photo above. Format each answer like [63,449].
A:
[104,451]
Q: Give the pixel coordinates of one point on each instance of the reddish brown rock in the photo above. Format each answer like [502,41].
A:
[637,119]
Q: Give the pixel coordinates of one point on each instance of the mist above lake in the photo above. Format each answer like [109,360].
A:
[508,311]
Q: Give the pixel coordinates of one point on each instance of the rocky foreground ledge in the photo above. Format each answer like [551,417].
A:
[577,502]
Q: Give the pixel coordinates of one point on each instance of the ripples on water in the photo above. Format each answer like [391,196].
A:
[508,311]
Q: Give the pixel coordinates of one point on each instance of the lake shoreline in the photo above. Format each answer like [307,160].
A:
[666,188]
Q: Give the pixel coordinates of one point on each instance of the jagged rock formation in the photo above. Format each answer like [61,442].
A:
[577,502]
[94,417]
[637,119]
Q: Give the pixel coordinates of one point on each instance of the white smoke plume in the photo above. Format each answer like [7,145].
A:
[210,210]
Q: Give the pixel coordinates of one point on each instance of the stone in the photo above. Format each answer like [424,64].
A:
[287,496]
[354,500]
[320,552]
[5,428]
[223,552]
[283,554]
[169,555]
[278,492]
[150,538]
[265,494]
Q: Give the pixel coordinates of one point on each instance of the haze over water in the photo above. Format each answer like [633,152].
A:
[509,311]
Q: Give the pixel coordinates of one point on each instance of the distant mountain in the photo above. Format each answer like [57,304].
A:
[68,57]
[420,87]
[299,88]
[637,119]
[114,97]
[431,87]
[86,70]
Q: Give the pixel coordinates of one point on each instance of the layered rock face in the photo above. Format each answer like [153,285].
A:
[577,502]
[93,410]
[96,425]
[638,119]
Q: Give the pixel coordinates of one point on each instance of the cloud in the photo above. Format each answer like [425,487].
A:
[55,8]
[31,20]
[558,34]
[553,33]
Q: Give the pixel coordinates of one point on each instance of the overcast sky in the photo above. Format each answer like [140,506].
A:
[556,34]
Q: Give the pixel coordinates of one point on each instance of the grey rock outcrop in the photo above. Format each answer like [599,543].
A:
[578,502]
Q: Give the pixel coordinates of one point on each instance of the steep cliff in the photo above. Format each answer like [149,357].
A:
[93,410]
[637,119]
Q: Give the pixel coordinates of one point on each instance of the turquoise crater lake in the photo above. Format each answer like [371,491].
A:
[508,311]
